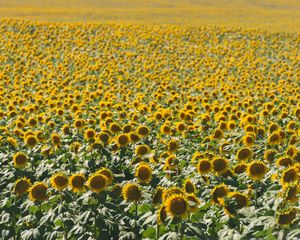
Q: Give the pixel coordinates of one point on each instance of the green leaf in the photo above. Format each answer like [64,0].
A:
[149,233]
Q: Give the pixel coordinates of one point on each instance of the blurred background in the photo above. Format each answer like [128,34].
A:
[272,15]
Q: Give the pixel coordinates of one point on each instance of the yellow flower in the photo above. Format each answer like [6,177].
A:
[234,202]
[38,192]
[189,187]
[193,202]
[274,139]
[286,217]
[106,172]
[218,134]
[204,166]
[143,131]
[132,192]
[290,192]
[162,214]
[257,170]
[240,168]
[97,182]
[173,145]
[218,192]
[20,160]
[270,155]
[249,139]
[142,150]
[171,191]
[55,139]
[59,181]
[22,186]
[177,206]
[122,140]
[31,141]
[220,165]
[144,173]
[289,176]
[76,182]
[89,134]
[244,154]
[157,196]
[103,137]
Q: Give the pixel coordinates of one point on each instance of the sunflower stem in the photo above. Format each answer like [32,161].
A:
[136,219]
[181,230]
[157,231]
[136,212]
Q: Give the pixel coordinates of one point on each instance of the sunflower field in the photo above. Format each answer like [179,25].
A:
[124,131]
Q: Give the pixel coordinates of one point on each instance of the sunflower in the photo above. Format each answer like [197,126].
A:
[103,137]
[171,162]
[55,139]
[261,132]
[114,128]
[127,128]
[38,192]
[270,155]
[66,129]
[274,139]
[97,182]
[234,202]
[132,192]
[249,139]
[79,123]
[106,172]
[244,154]
[59,181]
[240,168]
[180,127]
[290,193]
[31,141]
[257,170]
[12,141]
[193,202]
[157,196]
[122,140]
[189,187]
[41,136]
[142,150]
[89,134]
[289,176]
[22,186]
[20,160]
[219,165]
[218,134]
[291,151]
[134,137]
[143,131]
[173,145]
[161,214]
[177,206]
[241,199]
[76,182]
[165,129]
[225,148]
[231,125]
[75,146]
[286,217]
[144,173]
[32,122]
[284,161]
[171,191]
[218,192]
[204,166]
